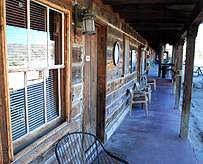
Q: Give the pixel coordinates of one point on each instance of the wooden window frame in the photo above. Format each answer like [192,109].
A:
[126,55]
[65,76]
[133,52]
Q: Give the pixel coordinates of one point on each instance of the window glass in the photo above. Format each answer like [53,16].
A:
[38,35]
[55,35]
[17,104]
[17,34]
[51,94]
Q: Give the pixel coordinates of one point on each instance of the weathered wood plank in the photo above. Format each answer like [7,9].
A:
[111,97]
[76,74]
[5,123]
[101,93]
[42,146]
[179,78]
[76,35]
[112,67]
[68,65]
[64,7]
[111,86]
[76,109]
[188,81]
[90,84]
[114,74]
[110,121]
[1,153]
[116,103]
[77,54]
[76,92]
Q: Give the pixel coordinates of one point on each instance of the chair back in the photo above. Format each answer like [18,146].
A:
[78,147]
[137,86]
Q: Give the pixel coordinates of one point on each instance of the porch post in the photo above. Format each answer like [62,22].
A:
[188,81]
[161,57]
[179,68]
[139,64]
[173,77]
[175,68]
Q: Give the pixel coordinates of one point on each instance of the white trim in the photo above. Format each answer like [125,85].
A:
[62,39]
[47,36]
[45,97]
[35,69]
[59,92]
[28,33]
[26,104]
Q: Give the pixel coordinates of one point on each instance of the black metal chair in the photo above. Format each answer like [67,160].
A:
[84,148]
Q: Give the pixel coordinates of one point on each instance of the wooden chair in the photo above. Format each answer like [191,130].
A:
[137,98]
[144,88]
[84,148]
[150,81]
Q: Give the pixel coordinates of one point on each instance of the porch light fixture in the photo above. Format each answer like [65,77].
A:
[85,18]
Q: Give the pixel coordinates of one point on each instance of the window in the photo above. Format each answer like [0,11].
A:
[133,60]
[143,62]
[126,55]
[35,53]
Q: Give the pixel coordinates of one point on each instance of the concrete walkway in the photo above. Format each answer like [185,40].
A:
[153,139]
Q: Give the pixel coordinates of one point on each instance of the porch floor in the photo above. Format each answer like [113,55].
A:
[153,139]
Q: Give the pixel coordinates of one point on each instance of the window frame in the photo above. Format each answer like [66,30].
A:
[126,54]
[66,69]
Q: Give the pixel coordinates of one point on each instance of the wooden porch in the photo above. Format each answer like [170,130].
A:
[153,139]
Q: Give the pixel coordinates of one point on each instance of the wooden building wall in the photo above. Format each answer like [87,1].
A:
[117,83]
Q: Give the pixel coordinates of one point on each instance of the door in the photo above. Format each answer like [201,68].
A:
[90,84]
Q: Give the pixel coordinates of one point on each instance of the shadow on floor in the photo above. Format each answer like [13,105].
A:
[153,139]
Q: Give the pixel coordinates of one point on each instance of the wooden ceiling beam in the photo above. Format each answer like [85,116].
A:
[147,28]
[167,16]
[153,8]
[112,2]
[154,21]
[198,10]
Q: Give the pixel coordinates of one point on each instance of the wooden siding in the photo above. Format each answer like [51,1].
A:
[116,98]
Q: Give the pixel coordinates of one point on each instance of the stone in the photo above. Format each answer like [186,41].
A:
[197,85]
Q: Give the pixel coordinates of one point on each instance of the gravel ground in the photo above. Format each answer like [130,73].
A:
[196,115]
[196,121]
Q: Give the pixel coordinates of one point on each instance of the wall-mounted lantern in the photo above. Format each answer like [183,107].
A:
[85,18]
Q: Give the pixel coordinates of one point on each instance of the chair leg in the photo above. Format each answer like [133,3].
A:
[146,108]
[150,96]
[155,86]
[130,108]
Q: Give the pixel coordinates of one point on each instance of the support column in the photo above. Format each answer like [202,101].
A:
[174,76]
[188,81]
[161,57]
[139,64]
[179,76]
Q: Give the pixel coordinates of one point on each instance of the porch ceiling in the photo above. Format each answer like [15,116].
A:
[158,21]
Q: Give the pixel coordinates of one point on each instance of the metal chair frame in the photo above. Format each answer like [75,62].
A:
[83,148]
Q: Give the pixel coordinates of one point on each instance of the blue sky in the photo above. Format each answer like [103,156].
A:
[16,35]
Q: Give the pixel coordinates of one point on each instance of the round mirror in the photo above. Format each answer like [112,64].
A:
[116,53]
